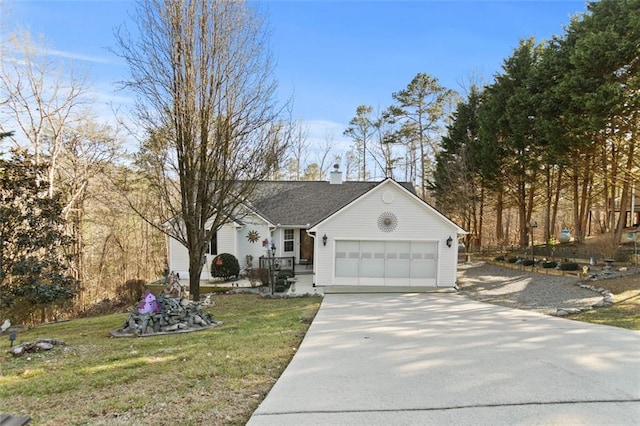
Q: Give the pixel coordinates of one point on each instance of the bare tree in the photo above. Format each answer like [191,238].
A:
[351,166]
[87,149]
[41,98]
[298,151]
[5,16]
[327,146]
[202,72]
[360,130]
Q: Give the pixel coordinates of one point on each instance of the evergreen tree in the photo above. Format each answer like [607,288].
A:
[33,265]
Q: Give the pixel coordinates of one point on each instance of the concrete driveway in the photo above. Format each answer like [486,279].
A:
[432,359]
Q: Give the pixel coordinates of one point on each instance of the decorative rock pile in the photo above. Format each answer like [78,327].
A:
[165,315]
[40,344]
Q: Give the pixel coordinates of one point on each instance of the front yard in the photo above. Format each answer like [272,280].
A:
[215,376]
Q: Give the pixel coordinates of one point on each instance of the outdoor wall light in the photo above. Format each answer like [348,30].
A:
[449,242]
[324,240]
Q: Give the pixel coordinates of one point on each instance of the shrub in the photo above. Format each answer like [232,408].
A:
[569,266]
[259,274]
[549,264]
[528,262]
[131,291]
[285,273]
[499,259]
[281,285]
[225,266]
[513,259]
[104,307]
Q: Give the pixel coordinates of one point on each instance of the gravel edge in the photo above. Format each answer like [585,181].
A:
[547,294]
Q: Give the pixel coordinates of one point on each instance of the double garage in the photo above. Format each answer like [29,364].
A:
[386,263]
[386,240]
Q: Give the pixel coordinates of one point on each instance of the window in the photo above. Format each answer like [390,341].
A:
[213,244]
[288,240]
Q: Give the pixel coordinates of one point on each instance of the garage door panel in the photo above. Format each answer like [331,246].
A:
[424,256]
[386,263]
[372,259]
[398,259]
[347,259]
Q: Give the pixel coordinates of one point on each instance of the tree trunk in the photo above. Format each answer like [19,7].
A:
[79,252]
[499,230]
[626,188]
[196,263]
[522,214]
[480,225]
[547,209]
[556,201]
[582,180]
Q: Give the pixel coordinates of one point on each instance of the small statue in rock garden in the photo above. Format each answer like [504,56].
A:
[208,302]
[173,287]
[148,304]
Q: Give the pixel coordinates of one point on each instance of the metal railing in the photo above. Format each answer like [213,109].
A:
[279,263]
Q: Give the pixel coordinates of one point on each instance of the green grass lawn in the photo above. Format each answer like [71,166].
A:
[216,376]
[213,377]
[625,311]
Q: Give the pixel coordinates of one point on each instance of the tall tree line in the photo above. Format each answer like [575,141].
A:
[557,127]
[55,148]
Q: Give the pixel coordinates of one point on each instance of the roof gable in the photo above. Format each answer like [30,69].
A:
[390,182]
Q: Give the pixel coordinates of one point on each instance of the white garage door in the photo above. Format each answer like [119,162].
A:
[387,263]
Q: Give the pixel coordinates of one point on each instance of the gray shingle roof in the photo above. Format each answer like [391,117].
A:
[306,202]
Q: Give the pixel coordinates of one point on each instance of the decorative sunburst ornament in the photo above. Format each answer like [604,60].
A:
[253,236]
[387,222]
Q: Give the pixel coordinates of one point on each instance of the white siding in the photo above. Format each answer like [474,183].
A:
[246,247]
[232,238]
[179,255]
[415,222]
[227,243]
[178,258]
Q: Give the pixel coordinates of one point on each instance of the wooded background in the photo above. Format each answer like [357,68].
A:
[549,144]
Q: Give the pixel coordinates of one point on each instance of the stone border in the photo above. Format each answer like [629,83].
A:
[607,300]
[116,333]
[607,295]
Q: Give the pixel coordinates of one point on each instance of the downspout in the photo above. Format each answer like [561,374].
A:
[313,265]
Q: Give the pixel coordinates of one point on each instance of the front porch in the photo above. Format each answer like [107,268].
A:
[302,267]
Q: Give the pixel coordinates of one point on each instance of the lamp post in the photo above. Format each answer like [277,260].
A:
[272,272]
[635,245]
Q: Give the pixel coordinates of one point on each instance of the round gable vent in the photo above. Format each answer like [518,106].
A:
[388,197]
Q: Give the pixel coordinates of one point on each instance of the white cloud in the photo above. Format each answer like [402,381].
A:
[321,131]
[78,56]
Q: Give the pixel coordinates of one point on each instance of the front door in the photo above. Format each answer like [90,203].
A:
[306,247]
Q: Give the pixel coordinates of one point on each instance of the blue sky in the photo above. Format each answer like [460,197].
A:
[331,55]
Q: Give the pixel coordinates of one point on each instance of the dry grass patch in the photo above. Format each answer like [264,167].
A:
[217,376]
